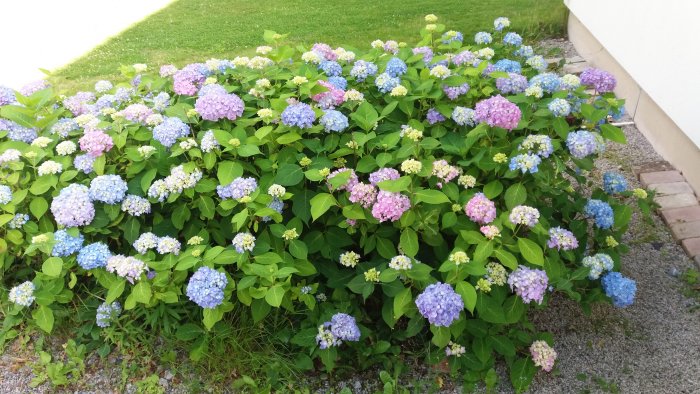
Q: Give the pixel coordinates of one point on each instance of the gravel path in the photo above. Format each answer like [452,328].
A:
[651,347]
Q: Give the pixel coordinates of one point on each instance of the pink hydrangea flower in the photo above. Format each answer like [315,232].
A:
[390,206]
[363,194]
[497,111]
[480,209]
[543,355]
[95,143]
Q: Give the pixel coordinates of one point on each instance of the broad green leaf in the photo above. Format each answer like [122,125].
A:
[521,373]
[531,251]
[52,266]
[516,195]
[289,174]
[431,196]
[43,317]
[409,242]
[142,292]
[401,302]
[211,317]
[275,295]
[468,293]
[613,133]
[493,189]
[395,185]
[38,207]
[115,291]
[321,203]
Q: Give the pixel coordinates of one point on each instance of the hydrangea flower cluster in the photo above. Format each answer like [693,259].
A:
[530,284]
[483,38]
[22,294]
[206,287]
[168,245]
[341,327]
[127,267]
[95,143]
[597,264]
[362,69]
[333,120]
[600,80]
[559,107]
[238,188]
[5,194]
[243,242]
[581,143]
[386,83]
[525,163]
[620,289]
[514,84]
[363,194]
[94,255]
[443,170]
[348,185]
[298,115]
[524,215]
[497,111]
[84,163]
[561,238]
[508,66]
[548,82]
[73,206]
[106,313]
[401,263]
[464,116]
[66,244]
[480,209]
[390,206]
[614,183]
[136,205]
[543,355]
[440,304]
[434,116]
[176,182]
[63,127]
[540,145]
[170,130]
[109,189]
[219,105]
[454,349]
[453,92]
[601,212]
[349,259]
[19,220]
[145,242]
[396,67]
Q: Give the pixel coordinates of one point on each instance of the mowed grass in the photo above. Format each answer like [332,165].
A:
[196,30]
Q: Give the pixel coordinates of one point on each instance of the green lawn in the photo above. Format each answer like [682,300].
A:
[195,30]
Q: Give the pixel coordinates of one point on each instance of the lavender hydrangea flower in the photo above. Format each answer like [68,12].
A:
[515,83]
[300,115]
[434,116]
[145,242]
[189,79]
[620,289]
[600,80]
[331,68]
[425,51]
[238,188]
[106,313]
[213,88]
[549,82]
[440,304]
[94,255]
[601,212]
[540,145]
[561,238]
[5,194]
[363,194]
[137,113]
[136,205]
[530,284]
[390,206]
[206,287]
[79,103]
[64,126]
[383,174]
[66,244]
[84,163]
[243,242]
[16,132]
[95,143]
[333,120]
[363,69]
[109,189]
[126,267]
[581,143]
[559,107]
[73,206]
[453,92]
[7,96]
[463,57]
[170,130]
[215,106]
[513,39]
[497,111]
[614,183]
[396,67]
[342,327]
[480,209]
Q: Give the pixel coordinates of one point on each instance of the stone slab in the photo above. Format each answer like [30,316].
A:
[652,166]
[671,188]
[691,246]
[649,178]
[697,261]
[686,230]
[575,68]
[677,201]
[575,59]
[553,60]
[685,214]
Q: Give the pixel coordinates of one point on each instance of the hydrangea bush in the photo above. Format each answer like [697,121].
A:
[436,191]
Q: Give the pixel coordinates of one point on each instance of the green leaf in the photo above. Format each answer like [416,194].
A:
[131,229]
[43,316]
[211,317]
[531,251]
[516,194]
[289,174]
[275,295]
[206,206]
[409,242]
[561,127]
[248,150]
[142,292]
[401,302]
[52,266]
[147,179]
[188,332]
[395,185]
[115,290]
[305,337]
[38,207]
[298,249]
[288,138]
[483,251]
[441,335]
[613,133]
[468,293]
[227,171]
[493,189]
[328,357]
[506,258]
[502,345]
[321,203]
[365,116]
[431,196]
[521,373]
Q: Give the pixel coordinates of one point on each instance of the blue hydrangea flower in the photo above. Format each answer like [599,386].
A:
[94,255]
[333,120]
[620,289]
[170,130]
[300,115]
[614,183]
[464,116]
[339,82]
[238,188]
[106,313]
[513,39]
[483,38]
[7,96]
[525,162]
[363,69]
[16,132]
[440,304]
[500,23]
[515,83]
[395,67]
[84,163]
[65,244]
[559,107]
[64,126]
[5,194]
[507,65]
[277,205]
[452,36]
[549,82]
[385,82]
[22,294]
[331,68]
[601,212]
[18,221]
[344,327]
[581,143]
[524,51]
[106,101]
[109,189]
[597,264]
[161,101]
[206,287]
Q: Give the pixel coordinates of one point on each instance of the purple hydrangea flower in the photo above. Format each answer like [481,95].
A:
[238,188]
[7,96]
[331,68]
[426,52]
[390,206]
[106,313]
[480,209]
[109,189]
[73,207]
[206,287]
[95,143]
[84,163]
[344,327]
[170,130]
[300,115]
[515,83]
[351,182]
[434,116]
[561,238]
[497,111]
[190,79]
[453,92]
[600,80]
[440,304]
[383,174]
[33,87]
[363,194]
[530,284]
[215,107]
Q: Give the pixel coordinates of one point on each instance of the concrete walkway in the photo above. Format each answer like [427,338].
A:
[49,34]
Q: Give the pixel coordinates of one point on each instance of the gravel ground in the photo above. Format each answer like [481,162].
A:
[651,347]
